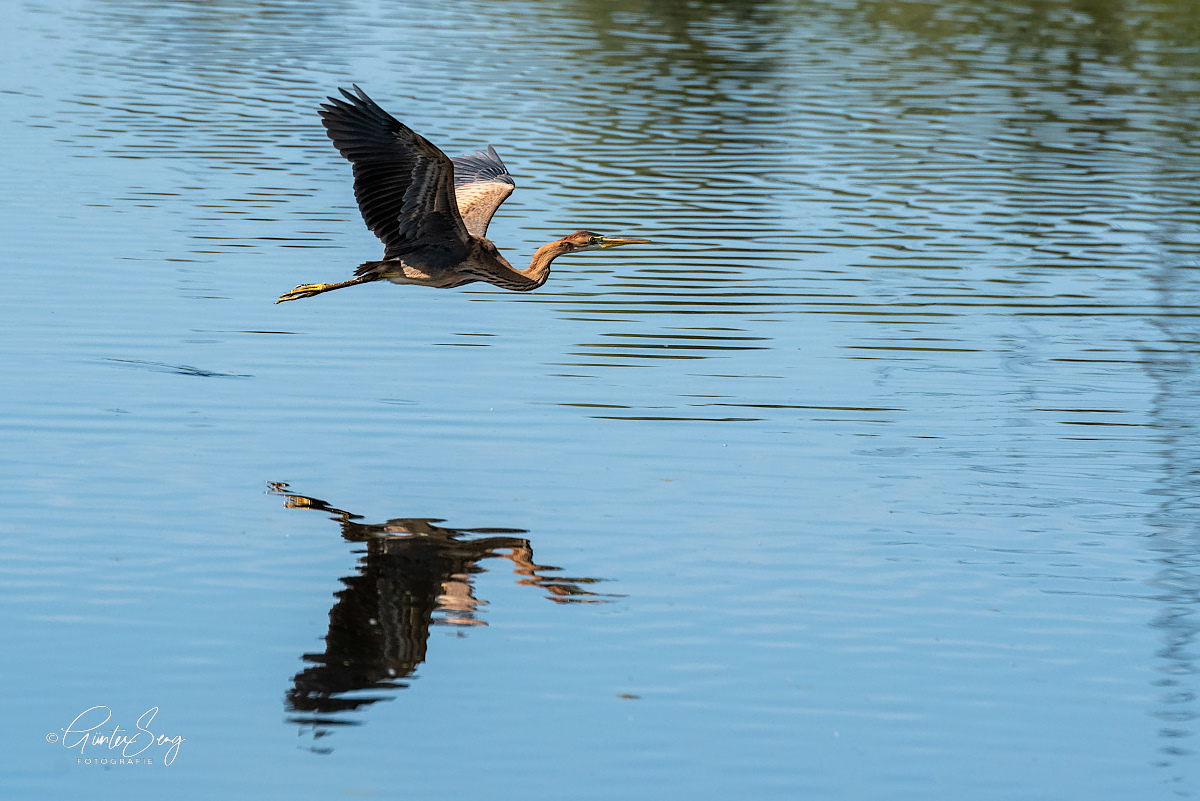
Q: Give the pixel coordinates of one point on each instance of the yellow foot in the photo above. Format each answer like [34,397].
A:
[303,291]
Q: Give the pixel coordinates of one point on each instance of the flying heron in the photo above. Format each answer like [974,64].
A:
[430,211]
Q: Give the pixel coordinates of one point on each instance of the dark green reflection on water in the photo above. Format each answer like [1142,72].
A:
[1174,365]
[413,575]
[1102,28]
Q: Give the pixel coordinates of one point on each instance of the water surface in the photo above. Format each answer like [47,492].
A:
[875,478]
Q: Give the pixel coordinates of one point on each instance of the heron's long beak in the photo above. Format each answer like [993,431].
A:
[614,241]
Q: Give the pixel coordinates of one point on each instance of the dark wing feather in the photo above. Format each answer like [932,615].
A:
[404,185]
[481,184]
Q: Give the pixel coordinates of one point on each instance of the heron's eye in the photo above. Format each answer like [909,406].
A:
[595,240]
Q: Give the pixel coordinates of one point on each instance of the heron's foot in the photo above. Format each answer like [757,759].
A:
[304,291]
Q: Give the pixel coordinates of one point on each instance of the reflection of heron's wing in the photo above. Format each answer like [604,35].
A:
[481,184]
[402,182]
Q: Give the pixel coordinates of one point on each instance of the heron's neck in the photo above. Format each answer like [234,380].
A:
[503,274]
[539,265]
[488,265]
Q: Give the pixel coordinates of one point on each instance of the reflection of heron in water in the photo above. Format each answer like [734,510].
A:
[430,211]
[414,574]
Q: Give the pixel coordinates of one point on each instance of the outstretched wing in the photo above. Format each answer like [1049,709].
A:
[481,184]
[404,185]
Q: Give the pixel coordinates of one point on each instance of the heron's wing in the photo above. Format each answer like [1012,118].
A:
[481,184]
[404,185]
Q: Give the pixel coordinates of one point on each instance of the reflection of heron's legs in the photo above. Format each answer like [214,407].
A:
[305,502]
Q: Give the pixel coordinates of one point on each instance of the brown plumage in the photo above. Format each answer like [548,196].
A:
[431,212]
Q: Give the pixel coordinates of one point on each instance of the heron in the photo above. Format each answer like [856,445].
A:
[431,212]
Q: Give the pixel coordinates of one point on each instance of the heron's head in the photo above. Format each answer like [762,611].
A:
[586,240]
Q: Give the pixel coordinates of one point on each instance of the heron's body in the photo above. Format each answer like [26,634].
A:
[431,212]
[431,267]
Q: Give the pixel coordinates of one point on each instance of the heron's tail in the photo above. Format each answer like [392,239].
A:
[376,270]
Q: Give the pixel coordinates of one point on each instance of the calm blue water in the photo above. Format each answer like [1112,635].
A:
[877,477]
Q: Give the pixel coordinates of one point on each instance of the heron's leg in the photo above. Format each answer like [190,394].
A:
[308,290]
